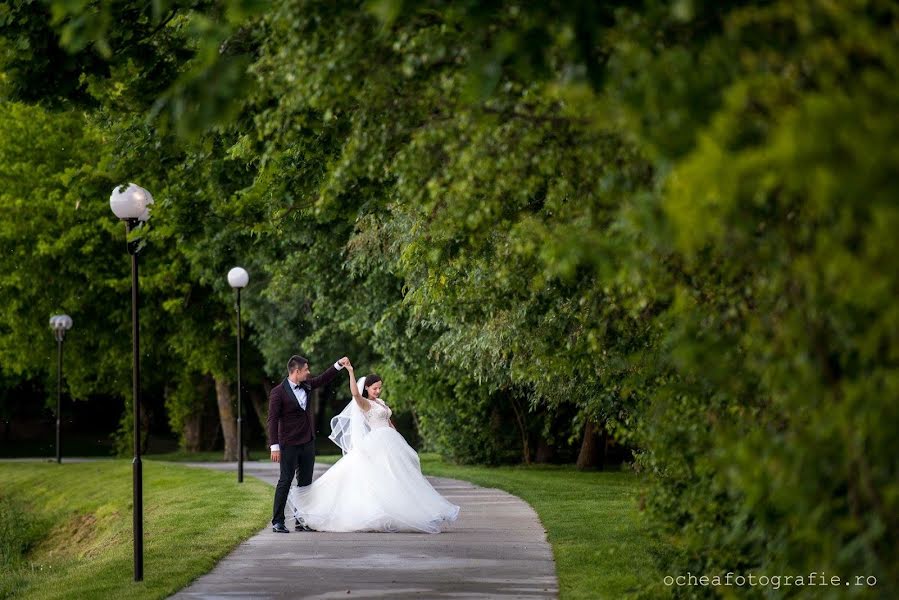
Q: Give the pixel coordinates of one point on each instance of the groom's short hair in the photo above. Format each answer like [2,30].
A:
[296,362]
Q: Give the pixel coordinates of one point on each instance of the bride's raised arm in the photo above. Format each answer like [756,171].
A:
[361,400]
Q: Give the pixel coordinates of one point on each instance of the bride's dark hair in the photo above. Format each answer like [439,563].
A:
[370,380]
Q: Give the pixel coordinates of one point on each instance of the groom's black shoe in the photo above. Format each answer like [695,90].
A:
[280,528]
[301,526]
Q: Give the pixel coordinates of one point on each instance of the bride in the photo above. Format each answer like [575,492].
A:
[377,485]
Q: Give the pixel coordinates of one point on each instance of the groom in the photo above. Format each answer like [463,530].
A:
[291,430]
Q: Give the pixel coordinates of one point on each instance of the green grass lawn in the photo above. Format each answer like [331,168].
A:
[181,456]
[601,544]
[65,530]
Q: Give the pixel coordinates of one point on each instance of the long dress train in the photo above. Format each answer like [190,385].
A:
[376,486]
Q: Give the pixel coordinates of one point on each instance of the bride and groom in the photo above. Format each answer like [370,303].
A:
[376,485]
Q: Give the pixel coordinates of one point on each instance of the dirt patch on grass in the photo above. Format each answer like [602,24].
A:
[76,536]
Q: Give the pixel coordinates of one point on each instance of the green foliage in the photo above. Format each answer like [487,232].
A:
[784,318]
[462,421]
[442,193]
[53,225]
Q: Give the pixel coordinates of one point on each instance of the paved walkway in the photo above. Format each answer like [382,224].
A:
[497,549]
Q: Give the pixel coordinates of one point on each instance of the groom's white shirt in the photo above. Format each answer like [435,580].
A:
[301,400]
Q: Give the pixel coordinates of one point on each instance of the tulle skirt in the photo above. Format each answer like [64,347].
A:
[377,486]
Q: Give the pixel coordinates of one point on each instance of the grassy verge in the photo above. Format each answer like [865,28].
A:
[77,542]
[601,545]
[180,456]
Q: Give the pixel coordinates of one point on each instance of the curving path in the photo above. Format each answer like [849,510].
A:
[497,549]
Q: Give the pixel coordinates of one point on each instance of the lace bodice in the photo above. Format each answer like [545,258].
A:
[378,415]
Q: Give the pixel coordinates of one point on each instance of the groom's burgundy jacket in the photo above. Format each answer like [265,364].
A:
[288,424]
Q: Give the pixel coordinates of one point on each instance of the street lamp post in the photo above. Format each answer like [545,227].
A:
[238,279]
[132,206]
[60,324]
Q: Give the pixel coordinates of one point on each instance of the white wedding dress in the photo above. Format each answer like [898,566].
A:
[376,486]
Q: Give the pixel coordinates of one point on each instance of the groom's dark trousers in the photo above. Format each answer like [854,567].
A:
[296,461]
[292,427]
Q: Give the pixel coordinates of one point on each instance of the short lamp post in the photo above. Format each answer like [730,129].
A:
[60,325]
[238,279]
[131,205]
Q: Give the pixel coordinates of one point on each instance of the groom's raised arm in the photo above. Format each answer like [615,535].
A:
[326,377]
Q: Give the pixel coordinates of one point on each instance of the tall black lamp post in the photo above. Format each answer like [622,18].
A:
[238,279]
[60,324]
[132,206]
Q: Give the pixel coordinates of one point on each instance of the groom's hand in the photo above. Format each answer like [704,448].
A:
[276,456]
[344,361]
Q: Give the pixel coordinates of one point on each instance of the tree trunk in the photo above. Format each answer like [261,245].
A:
[227,416]
[260,407]
[523,430]
[192,428]
[192,433]
[545,451]
[260,403]
[593,448]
